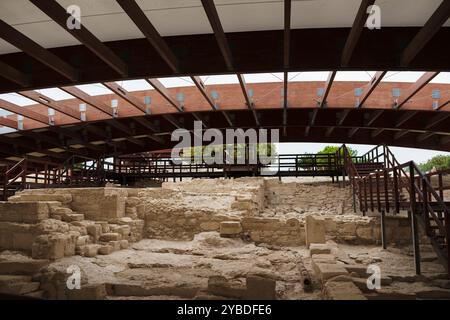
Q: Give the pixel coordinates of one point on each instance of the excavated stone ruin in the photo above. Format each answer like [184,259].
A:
[247,238]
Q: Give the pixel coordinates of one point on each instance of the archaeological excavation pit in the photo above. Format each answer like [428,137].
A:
[276,150]
[244,238]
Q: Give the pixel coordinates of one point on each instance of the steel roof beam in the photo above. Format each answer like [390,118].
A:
[58,14]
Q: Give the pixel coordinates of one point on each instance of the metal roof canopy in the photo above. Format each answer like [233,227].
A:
[139,39]
[149,39]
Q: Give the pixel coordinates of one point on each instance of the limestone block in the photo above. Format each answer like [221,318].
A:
[230,228]
[259,288]
[23,212]
[105,249]
[60,211]
[63,198]
[139,290]
[125,231]
[110,236]
[348,228]
[364,232]
[124,244]
[210,226]
[292,222]
[330,225]
[132,201]
[99,203]
[52,226]
[342,291]
[71,217]
[131,212]
[7,280]
[105,226]
[140,210]
[94,230]
[244,205]
[219,285]
[315,230]
[52,205]
[319,248]
[325,271]
[36,294]
[341,278]
[82,240]
[19,288]
[324,257]
[17,236]
[361,283]
[50,246]
[433,293]
[26,267]
[90,250]
[116,245]
[87,292]
[69,249]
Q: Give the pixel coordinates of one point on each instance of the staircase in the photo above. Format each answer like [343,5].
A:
[381,184]
[16,278]
[367,168]
[12,179]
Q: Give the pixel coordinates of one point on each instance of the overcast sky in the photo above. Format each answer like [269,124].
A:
[402,154]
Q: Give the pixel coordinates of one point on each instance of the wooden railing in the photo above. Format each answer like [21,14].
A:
[403,187]
[12,174]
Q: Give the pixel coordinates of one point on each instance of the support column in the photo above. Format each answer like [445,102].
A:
[354,194]
[415,241]
[413,215]
[383,229]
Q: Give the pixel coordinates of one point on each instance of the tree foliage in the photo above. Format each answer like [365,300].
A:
[439,162]
[197,153]
[320,159]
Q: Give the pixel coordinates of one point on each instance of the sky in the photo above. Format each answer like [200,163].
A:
[402,154]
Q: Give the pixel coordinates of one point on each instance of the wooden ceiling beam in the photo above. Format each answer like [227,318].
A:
[90,100]
[216,25]
[139,18]
[59,14]
[414,88]
[124,94]
[247,98]
[328,85]
[426,33]
[14,75]
[162,90]
[49,102]
[370,87]
[7,122]
[356,31]
[33,49]
[23,111]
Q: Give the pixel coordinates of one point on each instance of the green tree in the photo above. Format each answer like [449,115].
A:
[334,149]
[321,159]
[440,162]
[262,150]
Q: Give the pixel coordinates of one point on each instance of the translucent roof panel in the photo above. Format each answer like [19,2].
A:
[5,113]
[135,85]
[17,99]
[176,82]
[263,77]
[220,79]
[55,94]
[443,77]
[354,75]
[6,130]
[308,76]
[94,89]
[402,76]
